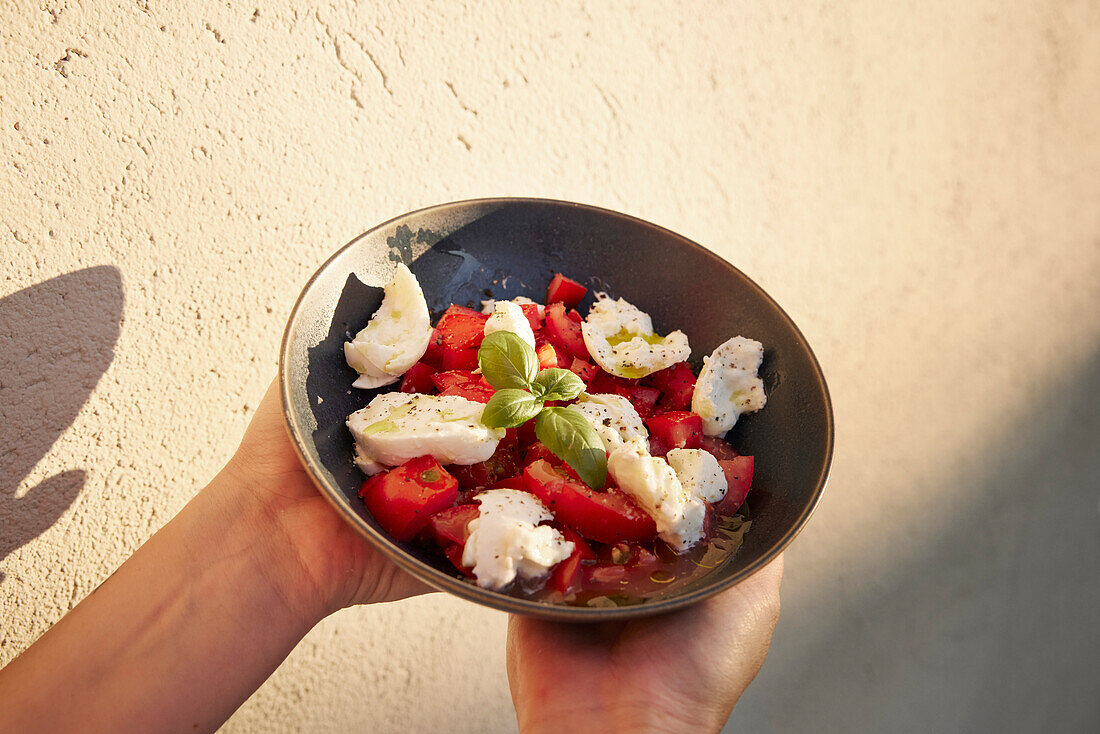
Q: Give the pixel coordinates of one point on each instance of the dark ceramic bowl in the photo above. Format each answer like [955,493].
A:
[470,250]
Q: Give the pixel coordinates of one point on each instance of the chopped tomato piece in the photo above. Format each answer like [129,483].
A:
[459,359]
[433,355]
[547,355]
[450,378]
[567,577]
[502,464]
[449,525]
[657,446]
[461,328]
[565,290]
[642,398]
[538,451]
[677,429]
[454,555]
[606,383]
[583,370]
[676,383]
[515,482]
[565,358]
[564,332]
[419,379]
[464,384]
[738,473]
[473,391]
[718,448]
[531,311]
[607,516]
[466,496]
[403,499]
[526,433]
[582,547]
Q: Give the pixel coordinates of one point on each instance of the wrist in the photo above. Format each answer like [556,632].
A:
[645,717]
[254,524]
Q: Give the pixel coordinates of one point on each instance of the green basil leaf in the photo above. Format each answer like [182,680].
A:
[506,361]
[571,438]
[509,408]
[557,384]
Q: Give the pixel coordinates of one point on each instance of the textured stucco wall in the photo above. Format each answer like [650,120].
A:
[918,186]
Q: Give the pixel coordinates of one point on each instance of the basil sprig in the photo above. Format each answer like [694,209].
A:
[511,366]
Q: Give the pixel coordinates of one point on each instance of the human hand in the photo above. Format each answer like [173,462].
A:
[682,671]
[327,559]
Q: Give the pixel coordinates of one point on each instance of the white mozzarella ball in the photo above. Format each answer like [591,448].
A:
[613,417]
[399,426]
[653,484]
[699,473]
[396,337]
[505,539]
[620,338]
[728,385]
[507,316]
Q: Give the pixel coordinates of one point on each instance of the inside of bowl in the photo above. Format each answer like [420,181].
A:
[470,251]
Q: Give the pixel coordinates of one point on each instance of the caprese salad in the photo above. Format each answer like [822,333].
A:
[549,455]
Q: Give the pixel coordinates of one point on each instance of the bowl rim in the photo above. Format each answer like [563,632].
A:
[497,600]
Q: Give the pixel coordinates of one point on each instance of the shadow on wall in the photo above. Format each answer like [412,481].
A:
[57,339]
[988,624]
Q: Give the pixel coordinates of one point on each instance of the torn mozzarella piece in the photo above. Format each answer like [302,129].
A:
[614,418]
[507,316]
[396,337]
[505,540]
[653,484]
[397,426]
[699,473]
[728,385]
[620,338]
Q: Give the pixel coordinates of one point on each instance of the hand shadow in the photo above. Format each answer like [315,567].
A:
[57,339]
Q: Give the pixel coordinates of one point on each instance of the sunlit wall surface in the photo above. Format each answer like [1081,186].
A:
[918,186]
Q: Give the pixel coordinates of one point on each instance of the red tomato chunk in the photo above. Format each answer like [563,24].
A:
[564,333]
[502,464]
[738,473]
[677,429]
[459,359]
[567,575]
[606,383]
[642,398]
[677,385]
[531,311]
[450,525]
[565,290]
[433,355]
[404,499]
[583,370]
[547,356]
[419,379]
[461,328]
[718,448]
[464,384]
[607,517]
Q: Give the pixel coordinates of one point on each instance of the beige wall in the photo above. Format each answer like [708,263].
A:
[919,188]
